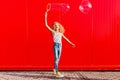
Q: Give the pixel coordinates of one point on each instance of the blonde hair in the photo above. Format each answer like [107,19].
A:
[61,28]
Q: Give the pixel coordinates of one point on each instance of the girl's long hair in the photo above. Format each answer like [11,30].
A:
[61,30]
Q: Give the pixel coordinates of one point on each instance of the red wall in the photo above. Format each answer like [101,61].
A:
[26,44]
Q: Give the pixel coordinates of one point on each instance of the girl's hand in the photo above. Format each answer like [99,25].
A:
[47,10]
[73,45]
[48,7]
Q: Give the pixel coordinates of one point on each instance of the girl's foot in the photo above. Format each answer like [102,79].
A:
[58,75]
[54,71]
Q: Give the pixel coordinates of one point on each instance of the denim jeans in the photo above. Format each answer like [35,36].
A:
[57,54]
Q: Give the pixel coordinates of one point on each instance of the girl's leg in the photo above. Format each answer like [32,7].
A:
[56,57]
[59,52]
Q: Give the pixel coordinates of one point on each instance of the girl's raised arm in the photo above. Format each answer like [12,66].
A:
[68,40]
[46,22]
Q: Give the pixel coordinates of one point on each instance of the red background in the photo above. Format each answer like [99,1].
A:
[26,44]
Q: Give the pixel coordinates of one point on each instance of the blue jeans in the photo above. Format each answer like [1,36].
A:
[57,54]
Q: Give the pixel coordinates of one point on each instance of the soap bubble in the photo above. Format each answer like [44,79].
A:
[85,6]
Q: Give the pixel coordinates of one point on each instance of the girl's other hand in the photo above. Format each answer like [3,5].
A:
[73,45]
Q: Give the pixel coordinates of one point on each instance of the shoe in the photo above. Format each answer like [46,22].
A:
[54,71]
[58,75]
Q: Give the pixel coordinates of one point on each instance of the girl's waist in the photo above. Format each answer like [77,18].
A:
[56,43]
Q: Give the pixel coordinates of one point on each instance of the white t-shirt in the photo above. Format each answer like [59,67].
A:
[57,37]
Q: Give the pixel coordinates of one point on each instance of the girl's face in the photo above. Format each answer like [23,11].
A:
[57,26]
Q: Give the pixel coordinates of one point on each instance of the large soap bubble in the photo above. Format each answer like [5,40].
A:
[85,6]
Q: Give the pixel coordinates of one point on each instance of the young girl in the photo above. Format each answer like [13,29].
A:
[58,32]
